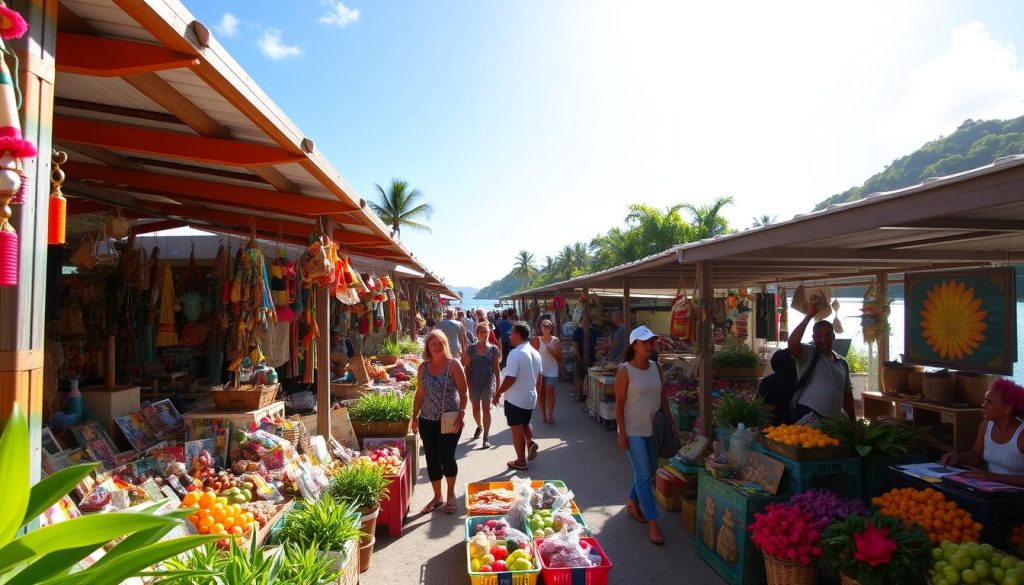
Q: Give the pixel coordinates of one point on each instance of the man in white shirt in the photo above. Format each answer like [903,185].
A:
[523,371]
[829,390]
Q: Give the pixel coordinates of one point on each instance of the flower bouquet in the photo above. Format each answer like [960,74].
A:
[876,550]
[827,507]
[789,537]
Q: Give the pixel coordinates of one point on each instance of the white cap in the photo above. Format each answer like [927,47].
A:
[641,333]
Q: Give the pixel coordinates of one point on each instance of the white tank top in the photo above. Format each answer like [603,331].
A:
[549,365]
[643,399]
[1004,458]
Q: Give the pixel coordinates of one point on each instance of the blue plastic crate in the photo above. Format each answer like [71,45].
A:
[842,476]
[875,472]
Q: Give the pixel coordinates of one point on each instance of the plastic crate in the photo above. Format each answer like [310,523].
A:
[505,577]
[686,416]
[479,486]
[472,521]
[842,476]
[583,576]
[579,519]
[875,472]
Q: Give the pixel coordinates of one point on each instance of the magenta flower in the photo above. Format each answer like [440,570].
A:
[873,546]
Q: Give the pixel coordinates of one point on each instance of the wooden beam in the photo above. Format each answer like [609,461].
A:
[203,190]
[157,226]
[949,239]
[170,144]
[104,156]
[880,254]
[627,322]
[155,88]
[142,164]
[955,223]
[117,111]
[109,57]
[276,178]
[705,348]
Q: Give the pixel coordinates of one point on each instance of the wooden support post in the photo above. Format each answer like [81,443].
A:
[414,293]
[585,323]
[536,318]
[323,355]
[558,317]
[627,322]
[705,348]
[22,307]
[882,284]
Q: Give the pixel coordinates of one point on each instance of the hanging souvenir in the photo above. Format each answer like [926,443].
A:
[166,332]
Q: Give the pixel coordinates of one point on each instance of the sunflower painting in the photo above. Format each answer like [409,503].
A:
[962,319]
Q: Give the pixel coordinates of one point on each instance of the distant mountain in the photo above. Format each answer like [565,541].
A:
[467,292]
[974,144]
[505,285]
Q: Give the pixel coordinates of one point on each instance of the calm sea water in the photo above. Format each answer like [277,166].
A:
[485,304]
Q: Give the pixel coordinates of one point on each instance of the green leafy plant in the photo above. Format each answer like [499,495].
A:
[876,550]
[735,356]
[390,348]
[362,486]
[387,407]
[858,361]
[409,346]
[253,565]
[733,409]
[324,525]
[48,555]
[872,438]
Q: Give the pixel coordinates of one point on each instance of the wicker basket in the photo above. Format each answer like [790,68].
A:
[938,387]
[894,380]
[915,379]
[295,434]
[849,580]
[245,397]
[780,572]
[381,428]
[971,387]
[387,360]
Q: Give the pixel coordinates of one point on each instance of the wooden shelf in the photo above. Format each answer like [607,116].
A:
[920,413]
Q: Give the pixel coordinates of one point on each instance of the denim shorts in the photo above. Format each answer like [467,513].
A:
[550,380]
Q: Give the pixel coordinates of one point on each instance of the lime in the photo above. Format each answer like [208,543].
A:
[997,574]
[969,576]
[938,554]
[951,575]
[981,568]
[940,566]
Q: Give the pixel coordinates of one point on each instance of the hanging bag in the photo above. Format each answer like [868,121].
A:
[449,419]
[682,315]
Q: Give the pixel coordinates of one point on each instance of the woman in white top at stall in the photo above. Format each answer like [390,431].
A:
[638,398]
[1000,442]
[550,350]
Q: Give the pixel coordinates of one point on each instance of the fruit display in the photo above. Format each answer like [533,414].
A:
[262,512]
[493,529]
[941,519]
[542,524]
[496,557]
[974,563]
[494,502]
[387,458]
[800,436]
[216,515]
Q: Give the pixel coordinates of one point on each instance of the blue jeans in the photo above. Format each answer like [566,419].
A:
[643,455]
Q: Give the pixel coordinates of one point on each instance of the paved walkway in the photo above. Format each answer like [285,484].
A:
[577,450]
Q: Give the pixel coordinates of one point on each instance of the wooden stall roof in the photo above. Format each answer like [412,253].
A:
[969,219]
[159,120]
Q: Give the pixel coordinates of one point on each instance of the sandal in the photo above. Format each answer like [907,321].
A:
[516,465]
[477,434]
[433,505]
[486,445]
[449,507]
[533,451]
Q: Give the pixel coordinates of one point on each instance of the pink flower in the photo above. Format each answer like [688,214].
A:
[12,25]
[873,546]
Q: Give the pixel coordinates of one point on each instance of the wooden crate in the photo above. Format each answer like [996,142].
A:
[106,404]
[722,539]
[805,454]
[238,420]
[688,511]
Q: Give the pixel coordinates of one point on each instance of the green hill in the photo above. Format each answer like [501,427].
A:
[505,285]
[974,144]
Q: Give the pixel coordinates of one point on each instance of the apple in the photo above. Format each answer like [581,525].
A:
[500,554]
[499,566]
[487,559]
[485,568]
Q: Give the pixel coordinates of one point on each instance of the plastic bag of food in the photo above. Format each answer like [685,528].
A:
[521,509]
[545,496]
[561,514]
[563,550]
[516,540]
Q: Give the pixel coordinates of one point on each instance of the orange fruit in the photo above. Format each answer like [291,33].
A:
[236,531]
[228,521]
[203,528]
[217,528]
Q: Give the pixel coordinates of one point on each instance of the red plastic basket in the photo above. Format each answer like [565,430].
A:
[584,576]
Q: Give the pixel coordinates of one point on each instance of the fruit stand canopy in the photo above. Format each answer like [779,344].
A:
[969,219]
[159,121]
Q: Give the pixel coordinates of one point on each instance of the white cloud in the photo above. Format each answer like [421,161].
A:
[272,46]
[977,77]
[228,25]
[339,14]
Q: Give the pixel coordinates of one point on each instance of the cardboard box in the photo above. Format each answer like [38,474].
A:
[668,485]
[689,514]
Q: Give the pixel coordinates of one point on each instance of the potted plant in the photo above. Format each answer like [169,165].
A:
[326,525]
[410,346]
[879,444]
[363,487]
[389,352]
[382,414]
[735,408]
[736,361]
[789,538]
[876,550]
[252,564]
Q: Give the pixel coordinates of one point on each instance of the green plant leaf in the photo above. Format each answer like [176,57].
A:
[14,454]
[863,450]
[135,541]
[135,561]
[52,565]
[49,491]
[79,532]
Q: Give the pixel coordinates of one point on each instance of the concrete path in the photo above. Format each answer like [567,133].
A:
[577,450]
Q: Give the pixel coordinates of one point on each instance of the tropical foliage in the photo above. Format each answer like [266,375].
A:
[524,269]
[974,144]
[401,206]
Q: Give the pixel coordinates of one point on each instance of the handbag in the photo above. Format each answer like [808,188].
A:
[449,419]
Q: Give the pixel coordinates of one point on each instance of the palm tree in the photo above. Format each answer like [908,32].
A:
[400,207]
[764,220]
[580,258]
[657,230]
[548,269]
[707,223]
[563,262]
[524,268]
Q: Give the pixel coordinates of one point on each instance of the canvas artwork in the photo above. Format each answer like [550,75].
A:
[136,430]
[962,319]
[97,443]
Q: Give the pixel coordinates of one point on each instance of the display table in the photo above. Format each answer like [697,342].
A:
[959,425]
[239,419]
[394,509]
[106,404]
[998,513]
[723,515]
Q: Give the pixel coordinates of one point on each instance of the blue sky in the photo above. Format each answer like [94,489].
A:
[531,125]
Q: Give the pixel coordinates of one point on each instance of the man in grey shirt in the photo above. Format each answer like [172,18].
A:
[619,341]
[829,390]
[455,332]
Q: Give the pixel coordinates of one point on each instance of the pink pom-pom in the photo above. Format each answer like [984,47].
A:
[11,141]
[12,25]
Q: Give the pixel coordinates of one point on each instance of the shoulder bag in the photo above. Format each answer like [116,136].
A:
[449,419]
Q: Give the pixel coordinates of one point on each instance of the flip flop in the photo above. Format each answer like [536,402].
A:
[517,466]
[449,507]
[533,451]
[486,445]
[431,507]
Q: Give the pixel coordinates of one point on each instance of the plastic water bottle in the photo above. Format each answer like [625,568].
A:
[739,445]
[75,399]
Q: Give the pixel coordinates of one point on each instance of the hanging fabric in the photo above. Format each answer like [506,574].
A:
[166,333]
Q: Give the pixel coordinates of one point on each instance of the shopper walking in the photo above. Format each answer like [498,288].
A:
[455,331]
[638,398]
[481,362]
[441,389]
[618,351]
[522,378]
[550,350]
[504,334]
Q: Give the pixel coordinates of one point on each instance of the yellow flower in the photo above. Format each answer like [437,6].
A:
[952,321]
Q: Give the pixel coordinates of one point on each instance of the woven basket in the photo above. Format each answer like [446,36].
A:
[938,388]
[894,380]
[295,434]
[780,572]
[849,580]
[915,379]
[971,387]
[381,428]
[245,397]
